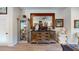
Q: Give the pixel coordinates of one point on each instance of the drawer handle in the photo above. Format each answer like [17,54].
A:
[46,33]
[39,33]
[39,36]
[46,39]
[39,39]
[46,36]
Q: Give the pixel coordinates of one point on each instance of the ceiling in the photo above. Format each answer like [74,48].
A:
[24,8]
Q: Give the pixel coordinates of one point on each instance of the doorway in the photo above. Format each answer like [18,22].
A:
[22,29]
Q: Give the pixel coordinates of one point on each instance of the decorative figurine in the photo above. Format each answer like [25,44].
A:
[45,26]
[40,25]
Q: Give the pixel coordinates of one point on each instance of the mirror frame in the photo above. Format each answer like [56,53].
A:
[42,14]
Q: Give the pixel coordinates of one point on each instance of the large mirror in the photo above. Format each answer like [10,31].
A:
[47,19]
[43,20]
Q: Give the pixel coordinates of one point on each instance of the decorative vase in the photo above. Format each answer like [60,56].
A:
[36,27]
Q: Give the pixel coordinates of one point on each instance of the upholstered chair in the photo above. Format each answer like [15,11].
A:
[62,36]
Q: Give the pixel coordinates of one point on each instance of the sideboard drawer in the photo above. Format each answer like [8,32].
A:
[41,36]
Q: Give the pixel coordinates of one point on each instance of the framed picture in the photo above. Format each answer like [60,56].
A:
[76,23]
[3,10]
[59,22]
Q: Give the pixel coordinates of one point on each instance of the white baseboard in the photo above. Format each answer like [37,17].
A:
[12,44]
[4,44]
[8,44]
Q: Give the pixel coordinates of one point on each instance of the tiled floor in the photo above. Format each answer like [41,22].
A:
[33,47]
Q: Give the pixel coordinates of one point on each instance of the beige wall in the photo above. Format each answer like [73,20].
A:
[67,19]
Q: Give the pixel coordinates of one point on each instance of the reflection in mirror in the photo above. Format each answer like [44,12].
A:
[43,19]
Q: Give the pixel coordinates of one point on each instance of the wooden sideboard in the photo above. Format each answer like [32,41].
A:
[44,22]
[43,36]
